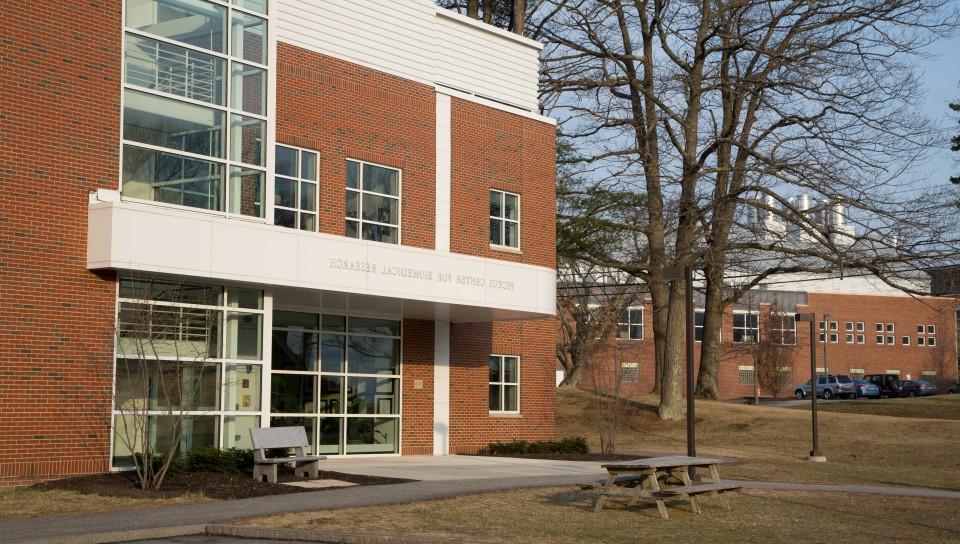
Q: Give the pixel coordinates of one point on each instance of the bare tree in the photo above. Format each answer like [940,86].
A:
[588,315]
[473,9]
[773,354]
[162,373]
[703,105]
[607,402]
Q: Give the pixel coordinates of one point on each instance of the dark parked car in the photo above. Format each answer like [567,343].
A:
[889,384]
[954,389]
[917,388]
[866,389]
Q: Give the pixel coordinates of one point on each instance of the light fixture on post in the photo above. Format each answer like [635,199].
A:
[685,273]
[815,454]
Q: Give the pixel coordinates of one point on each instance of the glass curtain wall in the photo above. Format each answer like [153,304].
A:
[339,377]
[195,103]
[188,352]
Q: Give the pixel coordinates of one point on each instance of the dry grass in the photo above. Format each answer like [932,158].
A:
[26,502]
[937,407]
[564,515]
[771,443]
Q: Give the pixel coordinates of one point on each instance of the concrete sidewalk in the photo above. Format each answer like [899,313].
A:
[456,467]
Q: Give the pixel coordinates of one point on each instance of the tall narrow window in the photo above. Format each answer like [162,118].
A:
[784,329]
[504,383]
[504,219]
[630,325]
[373,202]
[295,200]
[698,318]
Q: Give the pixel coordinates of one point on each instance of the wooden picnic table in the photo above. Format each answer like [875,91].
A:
[649,479]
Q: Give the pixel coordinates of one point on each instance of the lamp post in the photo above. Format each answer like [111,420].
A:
[826,340]
[815,454]
[686,274]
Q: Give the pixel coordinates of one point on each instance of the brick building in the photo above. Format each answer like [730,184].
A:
[870,328]
[346,208]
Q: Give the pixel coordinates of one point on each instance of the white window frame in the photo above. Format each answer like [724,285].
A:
[857,373]
[503,220]
[297,211]
[754,332]
[905,340]
[630,324]
[742,372]
[359,220]
[504,384]
[779,332]
[226,162]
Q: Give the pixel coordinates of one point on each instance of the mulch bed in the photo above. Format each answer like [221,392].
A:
[213,485]
[597,457]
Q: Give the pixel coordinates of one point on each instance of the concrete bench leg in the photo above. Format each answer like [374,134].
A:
[309,470]
[265,473]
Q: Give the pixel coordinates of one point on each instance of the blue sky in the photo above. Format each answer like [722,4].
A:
[942,76]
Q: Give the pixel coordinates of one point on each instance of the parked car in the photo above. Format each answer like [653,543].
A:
[889,384]
[828,387]
[954,389]
[866,389]
[917,388]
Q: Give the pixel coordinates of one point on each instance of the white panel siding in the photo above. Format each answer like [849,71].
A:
[472,59]
[415,40]
[394,36]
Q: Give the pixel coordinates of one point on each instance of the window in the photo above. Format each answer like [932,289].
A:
[822,326]
[746,327]
[834,326]
[905,340]
[931,341]
[205,352]
[630,372]
[880,339]
[339,377]
[745,375]
[848,326]
[861,339]
[879,327]
[784,329]
[890,327]
[848,338]
[921,341]
[504,383]
[929,375]
[190,138]
[698,319]
[834,338]
[931,330]
[504,219]
[295,189]
[891,340]
[373,202]
[857,373]
[920,329]
[860,326]
[630,325]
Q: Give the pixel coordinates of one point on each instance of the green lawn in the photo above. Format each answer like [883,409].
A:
[936,407]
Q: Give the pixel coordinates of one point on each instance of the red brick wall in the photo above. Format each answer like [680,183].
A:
[59,140]
[417,401]
[905,313]
[346,111]
[472,427]
[493,149]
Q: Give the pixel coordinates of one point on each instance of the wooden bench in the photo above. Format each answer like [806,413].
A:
[265,468]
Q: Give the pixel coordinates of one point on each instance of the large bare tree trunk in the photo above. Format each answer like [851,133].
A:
[671,394]
[488,9]
[518,17]
[708,383]
[473,9]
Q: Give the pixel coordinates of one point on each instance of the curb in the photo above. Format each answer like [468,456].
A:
[310,535]
[123,536]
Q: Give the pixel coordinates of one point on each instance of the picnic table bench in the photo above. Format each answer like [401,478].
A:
[265,468]
[641,479]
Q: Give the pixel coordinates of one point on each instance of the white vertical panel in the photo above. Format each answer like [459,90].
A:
[441,386]
[444,149]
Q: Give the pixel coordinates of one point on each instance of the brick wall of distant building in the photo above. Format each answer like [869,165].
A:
[904,313]
[472,425]
[59,140]
[493,149]
[344,110]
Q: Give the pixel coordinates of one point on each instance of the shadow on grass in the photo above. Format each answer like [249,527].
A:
[584,501]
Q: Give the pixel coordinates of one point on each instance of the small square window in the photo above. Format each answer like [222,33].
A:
[879,327]
[834,338]
[822,325]
[630,372]
[920,329]
[861,339]
[849,338]
[921,341]
[931,329]
[931,342]
[848,326]
[905,340]
[860,326]
[880,339]
[834,326]
[890,327]
[891,340]
[822,338]
[745,375]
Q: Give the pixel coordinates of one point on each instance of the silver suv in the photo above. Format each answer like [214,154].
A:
[828,387]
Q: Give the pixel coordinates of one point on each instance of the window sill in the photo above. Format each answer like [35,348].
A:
[629,339]
[507,249]
[507,415]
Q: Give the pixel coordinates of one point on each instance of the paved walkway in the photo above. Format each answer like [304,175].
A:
[442,477]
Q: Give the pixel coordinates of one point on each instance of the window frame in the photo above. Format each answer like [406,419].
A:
[504,220]
[747,327]
[504,384]
[299,180]
[779,332]
[230,167]
[629,324]
[746,370]
[359,220]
